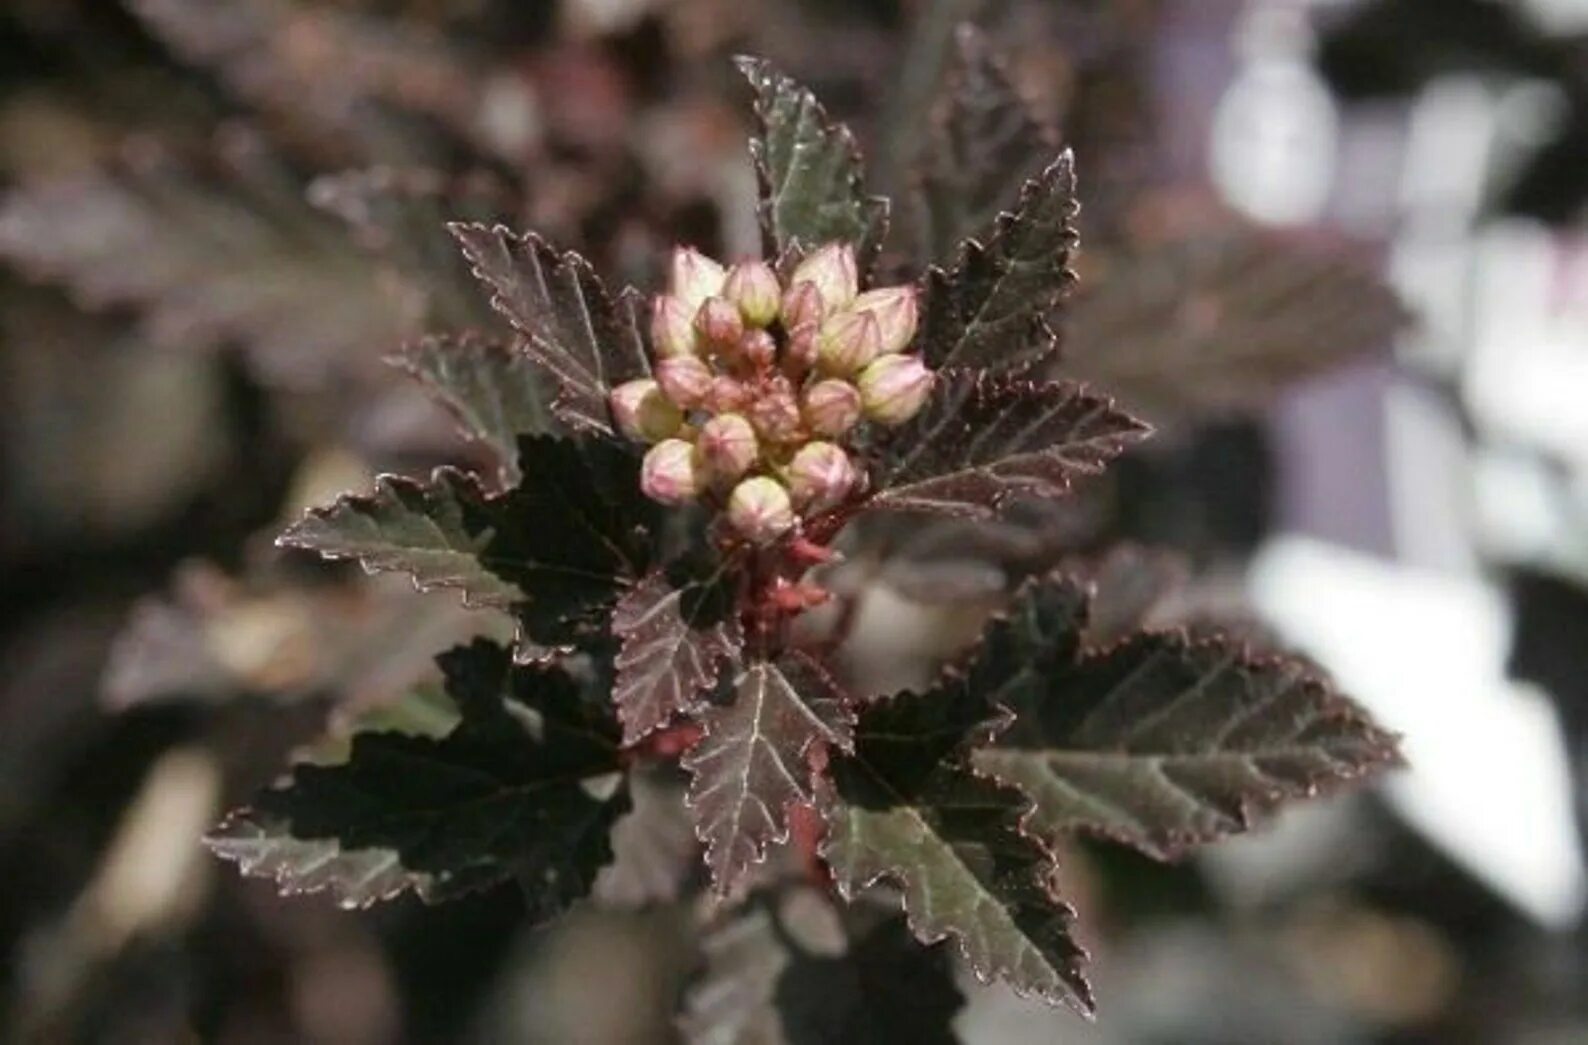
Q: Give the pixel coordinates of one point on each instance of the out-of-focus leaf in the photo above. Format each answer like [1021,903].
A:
[981,150]
[491,388]
[674,641]
[558,549]
[801,972]
[1164,743]
[588,342]
[809,170]
[906,809]
[1220,318]
[990,311]
[753,761]
[654,850]
[527,787]
[981,440]
[1129,582]
[213,253]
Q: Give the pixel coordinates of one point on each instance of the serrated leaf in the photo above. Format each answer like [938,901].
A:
[1221,317]
[674,641]
[773,978]
[587,341]
[492,390]
[982,148]
[904,808]
[752,762]
[980,440]
[990,311]
[526,787]
[808,167]
[558,548]
[1164,743]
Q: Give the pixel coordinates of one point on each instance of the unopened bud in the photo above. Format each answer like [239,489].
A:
[669,473]
[695,277]
[685,380]
[728,447]
[820,476]
[800,355]
[757,348]
[643,412]
[776,413]
[893,388]
[832,269]
[802,305]
[719,322]
[848,341]
[895,309]
[753,287]
[672,328]
[726,395]
[760,510]
[832,407]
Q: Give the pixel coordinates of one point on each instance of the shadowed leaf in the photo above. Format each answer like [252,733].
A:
[587,341]
[752,762]
[809,170]
[905,809]
[527,786]
[1164,743]
[674,641]
[990,311]
[980,440]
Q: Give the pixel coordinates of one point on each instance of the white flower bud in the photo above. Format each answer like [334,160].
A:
[753,287]
[728,447]
[695,278]
[832,269]
[847,342]
[802,306]
[760,510]
[719,322]
[672,328]
[832,407]
[726,395]
[685,380]
[775,413]
[896,312]
[893,388]
[670,473]
[643,412]
[820,476]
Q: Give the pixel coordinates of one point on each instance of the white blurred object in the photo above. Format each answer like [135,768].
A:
[1489,781]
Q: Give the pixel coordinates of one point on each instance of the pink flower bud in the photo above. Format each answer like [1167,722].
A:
[832,269]
[695,278]
[802,305]
[775,413]
[893,388]
[728,447]
[832,407]
[719,322]
[895,309]
[726,395]
[685,379]
[643,412]
[760,510]
[848,341]
[820,476]
[669,473]
[800,356]
[757,348]
[672,328]
[753,287]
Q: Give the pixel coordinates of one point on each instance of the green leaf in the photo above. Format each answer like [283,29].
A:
[809,171]
[558,549]
[1164,743]
[492,389]
[439,532]
[905,808]
[991,310]
[981,440]
[587,342]
[674,641]
[793,969]
[527,786]
[753,761]
[983,147]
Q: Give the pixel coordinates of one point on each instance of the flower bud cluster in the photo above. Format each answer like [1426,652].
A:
[759,382]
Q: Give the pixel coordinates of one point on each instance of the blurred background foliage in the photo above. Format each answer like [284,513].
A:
[218,218]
